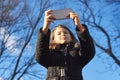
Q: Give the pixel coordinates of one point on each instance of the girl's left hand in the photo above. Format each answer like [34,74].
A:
[76,20]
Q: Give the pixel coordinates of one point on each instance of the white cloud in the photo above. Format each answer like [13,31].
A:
[1,78]
[21,78]
[12,44]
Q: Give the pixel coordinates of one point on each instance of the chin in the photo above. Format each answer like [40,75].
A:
[64,42]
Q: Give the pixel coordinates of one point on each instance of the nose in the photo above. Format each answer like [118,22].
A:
[63,34]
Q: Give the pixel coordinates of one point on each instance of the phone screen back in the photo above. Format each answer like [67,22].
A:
[61,14]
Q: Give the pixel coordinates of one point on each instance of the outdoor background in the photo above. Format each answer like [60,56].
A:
[20,21]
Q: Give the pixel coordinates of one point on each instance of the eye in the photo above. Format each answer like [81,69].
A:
[58,33]
[65,32]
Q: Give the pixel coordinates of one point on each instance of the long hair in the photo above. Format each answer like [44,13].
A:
[54,45]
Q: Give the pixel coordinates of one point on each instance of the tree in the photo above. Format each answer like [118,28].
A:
[93,16]
[20,21]
[17,27]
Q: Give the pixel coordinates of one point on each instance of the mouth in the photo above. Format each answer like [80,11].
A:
[63,38]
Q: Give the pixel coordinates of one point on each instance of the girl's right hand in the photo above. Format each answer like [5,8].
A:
[47,20]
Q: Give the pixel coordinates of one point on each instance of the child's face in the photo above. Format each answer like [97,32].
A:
[62,36]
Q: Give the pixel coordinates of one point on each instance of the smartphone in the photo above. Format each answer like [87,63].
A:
[61,14]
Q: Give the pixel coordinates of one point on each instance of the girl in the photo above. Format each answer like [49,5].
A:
[60,52]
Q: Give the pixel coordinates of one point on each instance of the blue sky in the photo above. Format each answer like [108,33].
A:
[96,70]
[99,68]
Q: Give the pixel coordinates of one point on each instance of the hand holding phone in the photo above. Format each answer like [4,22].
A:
[61,14]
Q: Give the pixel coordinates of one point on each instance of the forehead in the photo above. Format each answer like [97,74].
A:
[59,29]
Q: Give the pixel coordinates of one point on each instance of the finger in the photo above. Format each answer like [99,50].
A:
[51,17]
[48,12]
[73,15]
[50,20]
[68,15]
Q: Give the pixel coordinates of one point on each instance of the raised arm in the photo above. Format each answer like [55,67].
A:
[42,46]
[87,45]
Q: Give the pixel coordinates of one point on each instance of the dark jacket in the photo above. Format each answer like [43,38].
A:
[67,63]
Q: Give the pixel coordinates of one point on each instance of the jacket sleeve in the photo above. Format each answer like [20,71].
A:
[87,46]
[42,48]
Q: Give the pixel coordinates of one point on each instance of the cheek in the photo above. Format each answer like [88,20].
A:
[69,38]
[57,38]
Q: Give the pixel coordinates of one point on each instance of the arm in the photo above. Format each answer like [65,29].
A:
[42,48]
[87,45]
